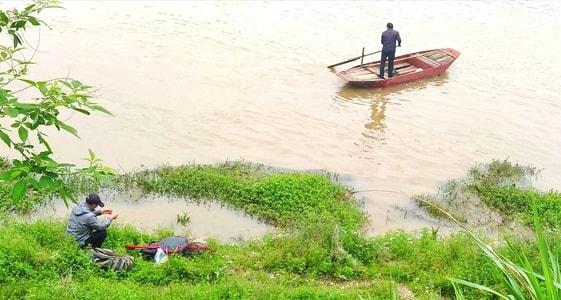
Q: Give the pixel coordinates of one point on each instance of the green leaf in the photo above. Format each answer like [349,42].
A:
[5,176]
[6,139]
[33,183]
[29,7]
[22,132]
[108,170]
[104,178]
[43,141]
[102,109]
[33,21]
[30,82]
[3,92]
[69,129]
[3,19]
[43,89]
[37,122]
[85,112]
[16,39]
[76,84]
[47,182]
[18,24]
[65,195]
[25,106]
[18,191]
[11,174]
[11,111]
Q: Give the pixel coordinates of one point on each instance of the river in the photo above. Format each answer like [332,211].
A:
[210,81]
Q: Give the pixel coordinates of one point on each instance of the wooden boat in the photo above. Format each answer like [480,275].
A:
[407,68]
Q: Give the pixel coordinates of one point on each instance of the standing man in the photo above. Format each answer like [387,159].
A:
[389,39]
[84,225]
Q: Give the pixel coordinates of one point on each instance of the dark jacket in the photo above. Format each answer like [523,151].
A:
[389,38]
[83,221]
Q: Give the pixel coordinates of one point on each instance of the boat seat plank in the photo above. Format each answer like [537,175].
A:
[401,65]
[363,71]
[443,59]
[399,69]
[437,57]
[407,70]
[434,52]
[373,70]
[366,77]
[429,61]
[359,72]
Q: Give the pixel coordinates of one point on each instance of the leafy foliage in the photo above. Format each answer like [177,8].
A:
[27,119]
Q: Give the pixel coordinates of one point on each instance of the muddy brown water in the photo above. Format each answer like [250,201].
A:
[209,81]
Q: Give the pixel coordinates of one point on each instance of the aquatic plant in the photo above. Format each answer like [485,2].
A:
[519,278]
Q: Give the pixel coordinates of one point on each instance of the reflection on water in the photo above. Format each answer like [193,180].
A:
[350,92]
[378,112]
[379,100]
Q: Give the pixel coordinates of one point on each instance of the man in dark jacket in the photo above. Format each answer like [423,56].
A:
[389,39]
[84,225]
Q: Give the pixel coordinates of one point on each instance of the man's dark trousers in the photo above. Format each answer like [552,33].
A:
[390,55]
[96,239]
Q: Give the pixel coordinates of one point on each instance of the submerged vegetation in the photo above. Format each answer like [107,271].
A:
[497,196]
[319,250]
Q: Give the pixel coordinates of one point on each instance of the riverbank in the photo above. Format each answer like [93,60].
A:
[319,250]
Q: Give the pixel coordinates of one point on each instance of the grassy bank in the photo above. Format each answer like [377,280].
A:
[319,252]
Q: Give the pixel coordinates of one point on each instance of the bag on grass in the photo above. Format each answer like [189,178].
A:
[110,260]
[149,253]
[160,257]
[170,245]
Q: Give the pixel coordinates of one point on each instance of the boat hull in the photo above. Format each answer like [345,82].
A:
[407,68]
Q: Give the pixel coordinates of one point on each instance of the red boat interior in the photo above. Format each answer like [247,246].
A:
[426,63]
[419,62]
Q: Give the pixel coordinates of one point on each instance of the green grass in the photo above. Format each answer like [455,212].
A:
[319,252]
[38,259]
[284,199]
[520,277]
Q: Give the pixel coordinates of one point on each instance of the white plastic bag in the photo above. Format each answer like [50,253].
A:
[160,256]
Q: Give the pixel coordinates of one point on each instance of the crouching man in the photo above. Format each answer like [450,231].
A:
[84,225]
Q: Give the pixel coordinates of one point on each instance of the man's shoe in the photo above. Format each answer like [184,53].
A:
[381,77]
